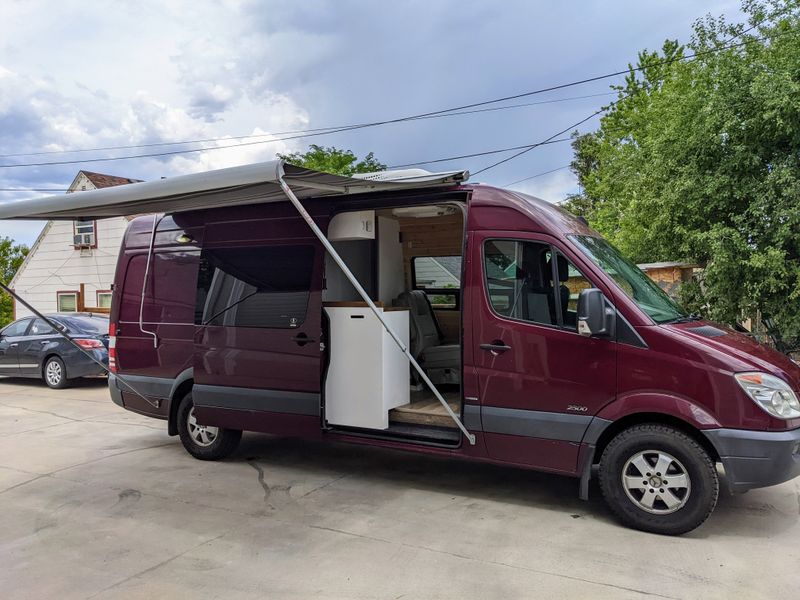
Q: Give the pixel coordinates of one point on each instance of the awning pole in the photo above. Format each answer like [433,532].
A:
[63,334]
[364,296]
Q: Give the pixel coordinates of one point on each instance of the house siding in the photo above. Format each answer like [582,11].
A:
[56,265]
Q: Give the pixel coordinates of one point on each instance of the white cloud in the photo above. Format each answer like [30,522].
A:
[74,75]
[553,187]
[24,232]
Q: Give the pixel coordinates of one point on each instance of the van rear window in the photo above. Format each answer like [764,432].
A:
[264,286]
[169,296]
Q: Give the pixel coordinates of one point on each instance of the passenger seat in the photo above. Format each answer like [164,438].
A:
[442,362]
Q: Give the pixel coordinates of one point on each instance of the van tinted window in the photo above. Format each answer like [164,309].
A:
[254,287]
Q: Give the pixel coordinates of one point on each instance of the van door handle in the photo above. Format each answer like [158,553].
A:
[495,347]
[301,339]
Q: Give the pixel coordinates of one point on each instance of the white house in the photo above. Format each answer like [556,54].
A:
[71,255]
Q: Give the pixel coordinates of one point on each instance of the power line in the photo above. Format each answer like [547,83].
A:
[562,167]
[485,153]
[419,162]
[545,141]
[33,189]
[295,131]
[741,33]
[410,117]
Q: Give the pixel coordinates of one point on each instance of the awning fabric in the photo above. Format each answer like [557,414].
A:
[249,184]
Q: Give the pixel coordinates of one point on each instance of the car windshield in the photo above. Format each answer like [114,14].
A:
[631,280]
[91,325]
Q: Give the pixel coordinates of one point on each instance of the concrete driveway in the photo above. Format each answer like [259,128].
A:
[96,502]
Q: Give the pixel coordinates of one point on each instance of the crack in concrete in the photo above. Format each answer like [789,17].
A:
[88,462]
[13,487]
[156,566]
[72,419]
[323,486]
[42,412]
[261,481]
[493,562]
[349,534]
[34,429]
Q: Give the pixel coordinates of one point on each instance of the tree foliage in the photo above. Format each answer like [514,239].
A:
[11,257]
[333,160]
[699,160]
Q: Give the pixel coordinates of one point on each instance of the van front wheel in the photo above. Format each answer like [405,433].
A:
[204,441]
[658,479]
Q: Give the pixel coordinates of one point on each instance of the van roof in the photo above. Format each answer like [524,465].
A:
[248,184]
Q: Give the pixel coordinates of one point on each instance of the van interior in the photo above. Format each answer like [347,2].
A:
[408,259]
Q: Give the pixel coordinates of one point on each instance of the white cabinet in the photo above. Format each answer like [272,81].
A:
[358,225]
[368,374]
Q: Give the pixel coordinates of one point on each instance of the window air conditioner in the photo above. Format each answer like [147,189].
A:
[83,239]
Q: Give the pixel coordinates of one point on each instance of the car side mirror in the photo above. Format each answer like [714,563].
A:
[595,316]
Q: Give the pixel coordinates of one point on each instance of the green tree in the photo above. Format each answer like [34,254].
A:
[11,257]
[333,160]
[699,160]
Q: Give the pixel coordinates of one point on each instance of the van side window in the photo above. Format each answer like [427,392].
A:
[521,283]
[264,286]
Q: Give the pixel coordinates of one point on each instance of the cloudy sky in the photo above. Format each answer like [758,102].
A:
[82,75]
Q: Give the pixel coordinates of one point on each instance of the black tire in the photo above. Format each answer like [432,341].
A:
[655,445]
[54,373]
[224,441]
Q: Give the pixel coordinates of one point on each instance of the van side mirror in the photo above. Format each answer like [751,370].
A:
[595,317]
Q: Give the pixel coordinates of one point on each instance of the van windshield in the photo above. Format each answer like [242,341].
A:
[631,280]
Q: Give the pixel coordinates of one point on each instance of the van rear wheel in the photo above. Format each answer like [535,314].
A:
[658,479]
[204,441]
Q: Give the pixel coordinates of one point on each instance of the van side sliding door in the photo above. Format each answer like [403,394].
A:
[257,350]
[539,381]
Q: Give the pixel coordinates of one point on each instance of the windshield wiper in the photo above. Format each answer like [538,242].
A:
[686,319]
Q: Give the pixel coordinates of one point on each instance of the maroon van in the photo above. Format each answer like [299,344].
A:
[550,347]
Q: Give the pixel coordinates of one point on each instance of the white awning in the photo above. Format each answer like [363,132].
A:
[249,184]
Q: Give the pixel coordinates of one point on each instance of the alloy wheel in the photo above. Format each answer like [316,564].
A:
[53,373]
[656,482]
[202,435]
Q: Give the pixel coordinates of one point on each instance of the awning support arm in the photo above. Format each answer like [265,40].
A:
[57,329]
[364,296]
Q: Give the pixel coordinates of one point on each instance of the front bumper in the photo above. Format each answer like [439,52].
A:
[754,459]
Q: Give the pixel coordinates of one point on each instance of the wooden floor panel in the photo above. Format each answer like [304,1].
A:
[425,409]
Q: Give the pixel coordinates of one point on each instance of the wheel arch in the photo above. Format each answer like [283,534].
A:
[610,431]
[182,386]
[47,357]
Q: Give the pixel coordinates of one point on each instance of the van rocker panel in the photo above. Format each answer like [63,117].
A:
[534,423]
[281,401]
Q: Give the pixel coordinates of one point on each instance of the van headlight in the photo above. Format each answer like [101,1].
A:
[771,393]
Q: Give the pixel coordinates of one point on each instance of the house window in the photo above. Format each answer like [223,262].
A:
[67,301]
[103,299]
[85,233]
[440,278]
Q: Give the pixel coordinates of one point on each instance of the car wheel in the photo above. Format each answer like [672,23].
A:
[658,479]
[204,441]
[54,373]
